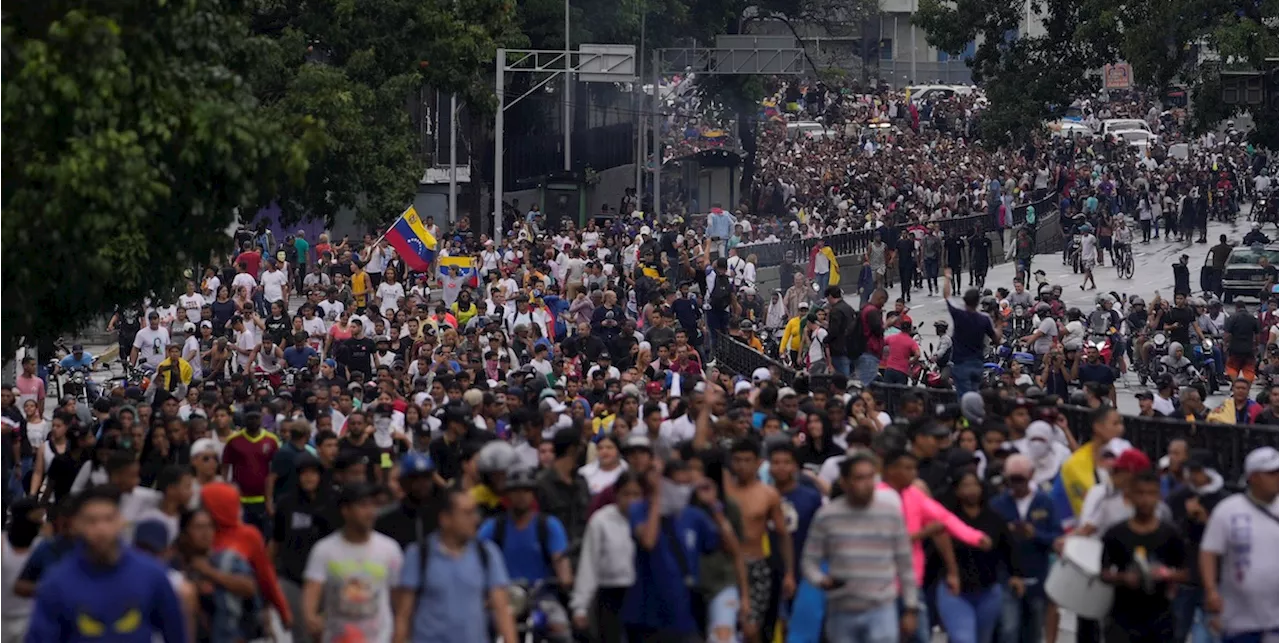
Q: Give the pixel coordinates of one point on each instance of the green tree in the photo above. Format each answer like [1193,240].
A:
[130,139]
[1028,79]
[353,66]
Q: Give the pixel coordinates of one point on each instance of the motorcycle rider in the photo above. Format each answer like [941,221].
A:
[1134,327]
[1104,320]
[942,358]
[1178,365]
[1256,237]
[1046,331]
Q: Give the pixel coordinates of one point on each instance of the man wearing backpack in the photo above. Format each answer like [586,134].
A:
[867,338]
[720,302]
[442,598]
[534,547]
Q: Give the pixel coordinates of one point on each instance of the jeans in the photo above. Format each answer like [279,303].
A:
[1022,619]
[876,625]
[967,375]
[867,368]
[823,279]
[293,594]
[841,364]
[931,273]
[923,631]
[722,616]
[255,514]
[891,376]
[970,617]
[1188,617]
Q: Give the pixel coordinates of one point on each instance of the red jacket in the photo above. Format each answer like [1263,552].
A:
[222,500]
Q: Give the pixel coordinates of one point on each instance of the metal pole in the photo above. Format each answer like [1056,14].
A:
[497,144]
[640,143]
[912,26]
[453,158]
[568,87]
[657,140]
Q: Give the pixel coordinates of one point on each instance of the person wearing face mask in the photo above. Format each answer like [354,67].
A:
[15,549]
[1044,452]
[1034,524]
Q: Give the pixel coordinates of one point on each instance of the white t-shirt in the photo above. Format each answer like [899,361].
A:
[191,305]
[377,261]
[331,310]
[273,283]
[390,295]
[211,287]
[1247,541]
[357,580]
[243,280]
[1049,331]
[816,345]
[151,345]
[191,353]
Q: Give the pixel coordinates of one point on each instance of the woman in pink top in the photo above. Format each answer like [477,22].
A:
[899,351]
[925,517]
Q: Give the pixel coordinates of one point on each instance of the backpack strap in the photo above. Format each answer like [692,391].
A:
[544,536]
[500,531]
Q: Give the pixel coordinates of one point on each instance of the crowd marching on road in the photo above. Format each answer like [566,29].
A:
[441,436]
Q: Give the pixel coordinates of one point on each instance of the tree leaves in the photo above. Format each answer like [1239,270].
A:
[130,140]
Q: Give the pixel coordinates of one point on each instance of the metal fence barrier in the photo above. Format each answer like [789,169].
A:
[1228,442]
[856,242]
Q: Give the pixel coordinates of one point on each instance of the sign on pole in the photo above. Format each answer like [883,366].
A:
[1117,76]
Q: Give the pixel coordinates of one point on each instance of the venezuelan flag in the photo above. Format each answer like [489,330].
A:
[466,268]
[410,238]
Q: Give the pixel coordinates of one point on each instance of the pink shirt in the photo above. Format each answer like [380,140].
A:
[898,348]
[918,510]
[30,388]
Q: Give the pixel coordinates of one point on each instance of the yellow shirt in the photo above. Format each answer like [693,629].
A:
[791,334]
[360,287]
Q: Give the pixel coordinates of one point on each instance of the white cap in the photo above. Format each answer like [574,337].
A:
[786,392]
[1262,460]
[804,305]
[762,374]
[645,230]
[741,387]
[552,405]
[1117,446]
[204,445]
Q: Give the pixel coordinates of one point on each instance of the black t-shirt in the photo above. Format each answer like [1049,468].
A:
[368,450]
[1122,547]
[1184,317]
[955,251]
[278,329]
[980,247]
[1244,329]
[906,249]
[354,354]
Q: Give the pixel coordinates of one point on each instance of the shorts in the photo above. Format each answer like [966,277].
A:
[1241,366]
[1087,264]
[1104,243]
[760,587]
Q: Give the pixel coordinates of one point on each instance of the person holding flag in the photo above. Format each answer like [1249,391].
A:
[412,241]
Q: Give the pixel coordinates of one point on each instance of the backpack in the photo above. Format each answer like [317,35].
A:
[542,525]
[857,339]
[721,293]
[424,556]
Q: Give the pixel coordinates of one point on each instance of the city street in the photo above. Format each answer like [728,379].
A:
[1153,273]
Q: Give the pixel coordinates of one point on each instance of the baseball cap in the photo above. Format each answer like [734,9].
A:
[77,348]
[1262,460]
[928,427]
[1200,459]
[762,374]
[1144,395]
[804,305]
[151,536]
[653,389]
[1116,447]
[202,446]
[741,387]
[551,405]
[1132,461]
[786,392]
[413,464]
[331,363]
[635,442]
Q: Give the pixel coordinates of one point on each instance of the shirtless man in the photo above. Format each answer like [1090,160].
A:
[760,505]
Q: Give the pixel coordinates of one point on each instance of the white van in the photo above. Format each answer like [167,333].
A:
[1113,125]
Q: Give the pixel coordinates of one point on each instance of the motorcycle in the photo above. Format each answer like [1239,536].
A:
[1202,358]
[526,606]
[1159,348]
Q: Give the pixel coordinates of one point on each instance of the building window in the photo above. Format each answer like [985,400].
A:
[886,49]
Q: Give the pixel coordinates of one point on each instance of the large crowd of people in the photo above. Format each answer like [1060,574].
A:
[541,441]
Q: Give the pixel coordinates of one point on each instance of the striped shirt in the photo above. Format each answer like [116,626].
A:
[868,548]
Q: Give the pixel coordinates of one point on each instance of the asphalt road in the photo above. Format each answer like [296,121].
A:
[1153,273]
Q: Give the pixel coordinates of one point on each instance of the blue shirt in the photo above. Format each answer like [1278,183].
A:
[70,361]
[798,507]
[660,599]
[719,225]
[297,358]
[521,550]
[129,602]
[1099,372]
[451,608]
[970,327]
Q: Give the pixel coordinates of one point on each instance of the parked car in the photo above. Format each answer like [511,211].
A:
[1243,277]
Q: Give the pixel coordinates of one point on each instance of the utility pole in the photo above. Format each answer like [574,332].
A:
[568,89]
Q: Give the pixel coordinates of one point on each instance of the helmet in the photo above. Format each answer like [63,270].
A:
[496,456]
[1042,308]
[1136,301]
[520,477]
[1196,302]
[1074,313]
[941,323]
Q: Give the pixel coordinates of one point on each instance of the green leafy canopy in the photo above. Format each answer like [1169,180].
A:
[130,137]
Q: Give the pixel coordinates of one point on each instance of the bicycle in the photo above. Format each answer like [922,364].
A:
[1124,263]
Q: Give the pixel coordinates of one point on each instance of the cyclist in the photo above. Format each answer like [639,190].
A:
[1121,243]
[533,546]
[493,462]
